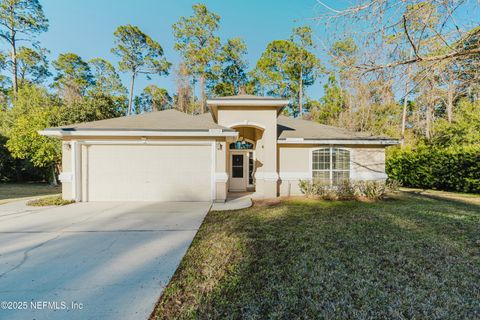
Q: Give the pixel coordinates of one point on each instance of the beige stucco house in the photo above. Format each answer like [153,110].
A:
[243,144]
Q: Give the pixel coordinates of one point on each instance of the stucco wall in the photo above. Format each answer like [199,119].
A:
[66,174]
[368,164]
[221,172]
[294,164]
[264,118]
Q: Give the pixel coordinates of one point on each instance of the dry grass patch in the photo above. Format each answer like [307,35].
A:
[49,201]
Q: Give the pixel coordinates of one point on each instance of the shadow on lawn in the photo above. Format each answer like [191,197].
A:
[317,259]
[460,199]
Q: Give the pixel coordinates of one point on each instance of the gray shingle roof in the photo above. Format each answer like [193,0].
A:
[173,120]
[288,128]
[161,120]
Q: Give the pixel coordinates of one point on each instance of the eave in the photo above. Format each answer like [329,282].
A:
[137,133]
[365,141]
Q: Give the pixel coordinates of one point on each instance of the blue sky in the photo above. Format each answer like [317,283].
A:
[86,27]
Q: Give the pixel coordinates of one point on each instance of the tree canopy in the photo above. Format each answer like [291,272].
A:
[24,18]
[153,98]
[232,78]
[73,76]
[139,54]
[198,43]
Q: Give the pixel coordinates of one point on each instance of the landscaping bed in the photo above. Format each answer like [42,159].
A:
[407,256]
[49,201]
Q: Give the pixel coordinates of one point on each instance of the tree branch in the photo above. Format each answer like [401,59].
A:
[415,50]
[451,55]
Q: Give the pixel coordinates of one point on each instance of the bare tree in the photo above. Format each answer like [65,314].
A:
[184,92]
[420,50]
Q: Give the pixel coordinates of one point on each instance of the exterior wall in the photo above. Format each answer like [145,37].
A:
[221,171]
[264,118]
[294,163]
[66,174]
[368,164]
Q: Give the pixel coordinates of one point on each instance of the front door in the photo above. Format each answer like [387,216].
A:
[238,171]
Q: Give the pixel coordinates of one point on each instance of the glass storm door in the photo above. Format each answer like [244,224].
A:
[238,171]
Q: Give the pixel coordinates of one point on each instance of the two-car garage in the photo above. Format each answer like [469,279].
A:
[147,172]
[154,156]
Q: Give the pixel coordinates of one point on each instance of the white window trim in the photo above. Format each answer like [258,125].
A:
[330,170]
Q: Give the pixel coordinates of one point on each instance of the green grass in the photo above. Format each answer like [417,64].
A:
[456,196]
[402,258]
[49,201]
[14,191]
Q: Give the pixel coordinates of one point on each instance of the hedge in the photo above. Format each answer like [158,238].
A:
[449,169]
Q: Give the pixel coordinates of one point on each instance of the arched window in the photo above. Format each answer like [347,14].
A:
[241,145]
[331,165]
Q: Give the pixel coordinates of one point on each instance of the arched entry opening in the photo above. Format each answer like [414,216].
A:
[242,159]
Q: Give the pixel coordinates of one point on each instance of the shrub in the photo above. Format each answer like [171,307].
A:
[49,201]
[392,185]
[449,169]
[372,190]
[17,170]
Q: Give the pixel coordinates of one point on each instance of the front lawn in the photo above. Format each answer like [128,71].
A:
[14,191]
[405,257]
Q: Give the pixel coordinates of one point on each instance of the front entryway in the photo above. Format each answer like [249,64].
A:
[241,170]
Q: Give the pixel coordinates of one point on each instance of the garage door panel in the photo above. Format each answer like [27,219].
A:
[149,173]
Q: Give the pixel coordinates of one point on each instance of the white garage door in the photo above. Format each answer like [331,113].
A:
[149,173]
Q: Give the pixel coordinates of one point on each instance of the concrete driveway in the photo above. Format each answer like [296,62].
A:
[98,260]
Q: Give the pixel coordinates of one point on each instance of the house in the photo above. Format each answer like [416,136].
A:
[243,144]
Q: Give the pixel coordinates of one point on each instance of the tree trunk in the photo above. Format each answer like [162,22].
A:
[405,105]
[130,99]
[54,181]
[14,64]
[300,94]
[405,101]
[202,88]
[193,94]
[428,123]
[450,103]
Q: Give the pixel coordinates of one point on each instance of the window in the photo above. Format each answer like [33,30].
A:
[241,145]
[331,165]
[251,162]
[237,166]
